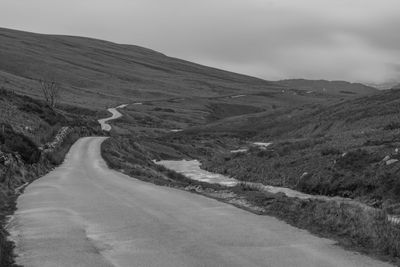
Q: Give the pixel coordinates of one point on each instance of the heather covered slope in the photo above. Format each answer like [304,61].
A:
[356,115]
[97,72]
[350,149]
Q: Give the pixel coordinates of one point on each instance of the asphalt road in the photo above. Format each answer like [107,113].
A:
[84,214]
[115,115]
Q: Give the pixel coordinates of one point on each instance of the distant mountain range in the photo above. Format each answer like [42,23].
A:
[397,86]
[385,85]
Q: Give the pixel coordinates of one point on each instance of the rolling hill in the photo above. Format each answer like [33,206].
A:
[95,73]
[328,138]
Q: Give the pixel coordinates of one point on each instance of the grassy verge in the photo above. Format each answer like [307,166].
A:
[6,246]
[128,156]
[352,226]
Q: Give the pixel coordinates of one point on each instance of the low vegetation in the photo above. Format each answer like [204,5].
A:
[344,150]
[125,154]
[352,225]
[355,226]
[12,142]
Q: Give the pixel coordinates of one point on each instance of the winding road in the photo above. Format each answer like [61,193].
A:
[115,115]
[84,214]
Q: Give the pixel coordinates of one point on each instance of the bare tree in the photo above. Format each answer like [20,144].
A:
[51,92]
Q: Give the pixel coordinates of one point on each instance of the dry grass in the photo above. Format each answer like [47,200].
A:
[353,226]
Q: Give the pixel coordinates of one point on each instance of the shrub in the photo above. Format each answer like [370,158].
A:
[44,112]
[164,109]
[392,126]
[12,142]
[330,151]
[6,248]
[388,185]
[6,92]
[356,160]
[265,154]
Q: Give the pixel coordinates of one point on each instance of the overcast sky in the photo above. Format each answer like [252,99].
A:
[355,40]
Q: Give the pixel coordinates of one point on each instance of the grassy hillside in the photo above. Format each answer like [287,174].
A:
[97,72]
[335,150]
[329,87]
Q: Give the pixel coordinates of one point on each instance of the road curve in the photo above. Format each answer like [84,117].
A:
[115,115]
[84,214]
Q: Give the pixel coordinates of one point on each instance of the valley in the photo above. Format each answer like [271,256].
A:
[334,139]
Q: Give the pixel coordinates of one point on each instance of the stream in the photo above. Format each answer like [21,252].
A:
[192,170]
